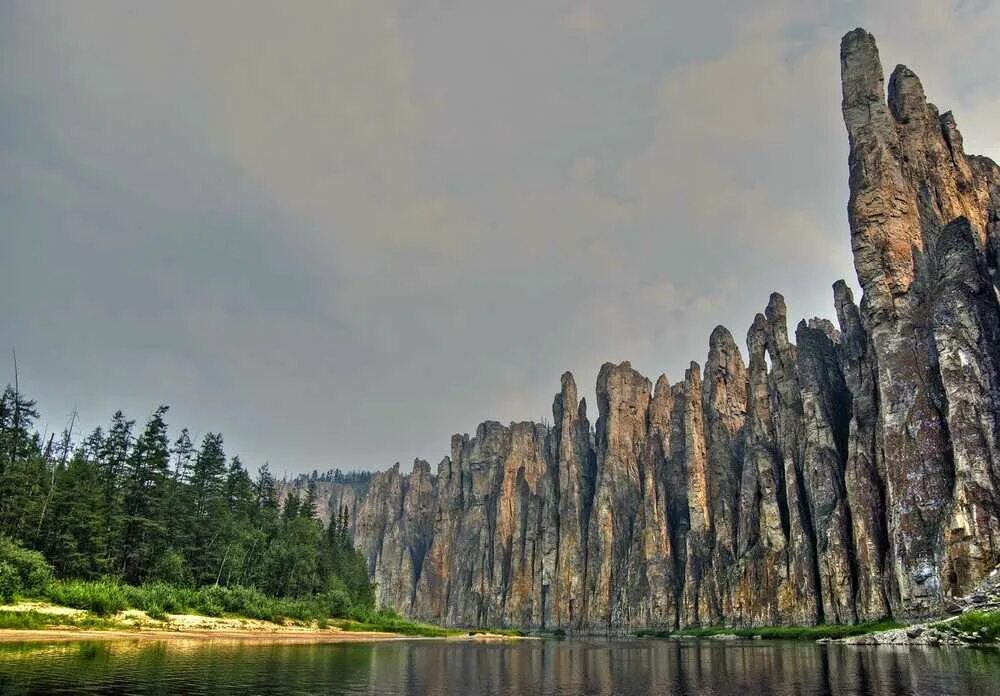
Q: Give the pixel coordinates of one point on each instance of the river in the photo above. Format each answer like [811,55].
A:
[639,667]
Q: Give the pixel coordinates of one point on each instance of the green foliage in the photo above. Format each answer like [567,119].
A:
[776,632]
[983,625]
[24,571]
[35,620]
[106,597]
[127,520]
[338,602]
[102,597]
[145,499]
[171,569]
[390,622]
[10,583]
[510,632]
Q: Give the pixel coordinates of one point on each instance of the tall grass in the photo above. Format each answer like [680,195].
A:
[104,597]
[107,597]
[36,620]
[101,597]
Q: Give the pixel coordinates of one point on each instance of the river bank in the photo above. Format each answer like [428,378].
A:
[975,627]
[29,621]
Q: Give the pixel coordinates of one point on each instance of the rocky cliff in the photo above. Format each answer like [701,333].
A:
[851,475]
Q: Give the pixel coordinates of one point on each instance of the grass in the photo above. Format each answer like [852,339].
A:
[977,626]
[777,632]
[395,624]
[107,597]
[103,599]
[512,632]
[35,620]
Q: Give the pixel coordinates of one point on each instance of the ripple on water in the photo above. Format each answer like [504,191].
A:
[553,668]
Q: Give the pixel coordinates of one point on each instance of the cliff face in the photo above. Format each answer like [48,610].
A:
[922,216]
[851,475]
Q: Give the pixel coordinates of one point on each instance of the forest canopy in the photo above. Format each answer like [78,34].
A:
[130,505]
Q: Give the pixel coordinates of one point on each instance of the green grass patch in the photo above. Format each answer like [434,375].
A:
[776,632]
[397,625]
[101,597]
[104,598]
[107,597]
[512,632]
[976,626]
[36,620]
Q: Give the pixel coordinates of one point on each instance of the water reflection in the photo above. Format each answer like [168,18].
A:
[426,667]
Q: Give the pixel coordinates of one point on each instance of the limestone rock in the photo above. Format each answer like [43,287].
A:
[575,465]
[864,475]
[849,476]
[826,423]
[616,578]
[910,181]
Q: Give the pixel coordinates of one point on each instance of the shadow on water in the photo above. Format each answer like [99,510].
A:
[552,667]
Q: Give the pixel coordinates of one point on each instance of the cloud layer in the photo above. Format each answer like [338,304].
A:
[340,232]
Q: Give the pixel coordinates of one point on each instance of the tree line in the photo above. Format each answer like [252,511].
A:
[132,504]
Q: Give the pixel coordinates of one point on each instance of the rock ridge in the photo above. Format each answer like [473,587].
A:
[850,475]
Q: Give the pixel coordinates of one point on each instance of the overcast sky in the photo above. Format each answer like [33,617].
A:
[341,231]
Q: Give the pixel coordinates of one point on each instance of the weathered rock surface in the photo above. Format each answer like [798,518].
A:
[920,211]
[849,476]
[332,497]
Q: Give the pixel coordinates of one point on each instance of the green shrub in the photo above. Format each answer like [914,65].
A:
[161,596]
[338,603]
[171,569]
[101,597]
[10,582]
[210,601]
[32,570]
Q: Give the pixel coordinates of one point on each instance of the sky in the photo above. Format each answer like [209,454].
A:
[339,232]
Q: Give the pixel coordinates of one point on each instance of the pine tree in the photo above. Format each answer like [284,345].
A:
[111,465]
[136,508]
[209,510]
[310,505]
[145,498]
[179,503]
[76,524]
[22,466]
[292,506]
[266,488]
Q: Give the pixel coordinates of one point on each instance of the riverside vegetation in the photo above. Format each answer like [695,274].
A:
[125,520]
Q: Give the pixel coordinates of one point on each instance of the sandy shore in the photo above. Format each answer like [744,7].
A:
[301,636]
[298,636]
[138,626]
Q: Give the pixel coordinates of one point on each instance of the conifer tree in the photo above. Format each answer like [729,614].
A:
[145,498]
[209,510]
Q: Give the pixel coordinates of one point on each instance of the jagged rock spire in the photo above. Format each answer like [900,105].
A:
[850,475]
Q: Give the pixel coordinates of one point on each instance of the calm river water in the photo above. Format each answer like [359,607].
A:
[636,667]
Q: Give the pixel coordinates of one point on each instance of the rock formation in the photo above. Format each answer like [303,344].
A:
[849,476]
